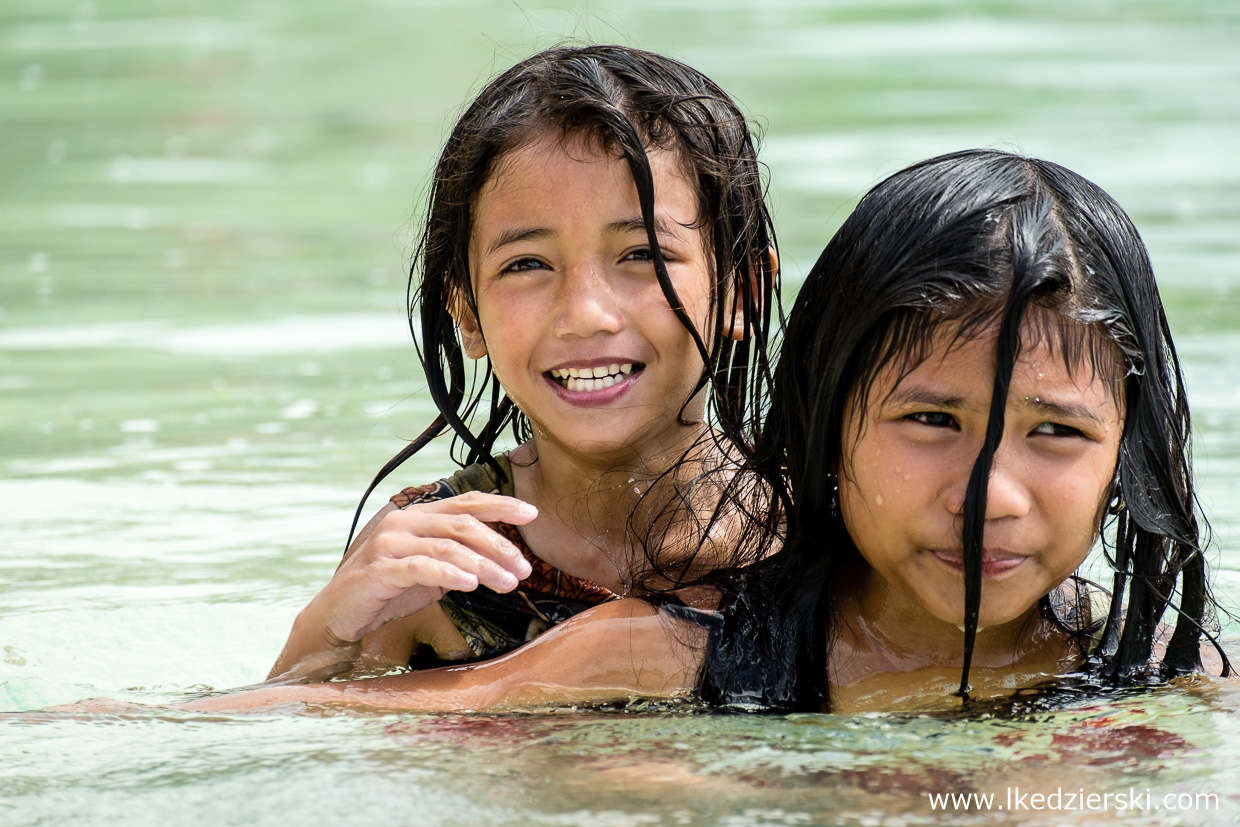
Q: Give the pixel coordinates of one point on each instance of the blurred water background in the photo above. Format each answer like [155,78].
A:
[206,214]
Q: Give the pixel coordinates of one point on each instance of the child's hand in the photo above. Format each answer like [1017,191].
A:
[415,554]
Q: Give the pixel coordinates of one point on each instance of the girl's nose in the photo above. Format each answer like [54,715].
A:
[1007,494]
[588,305]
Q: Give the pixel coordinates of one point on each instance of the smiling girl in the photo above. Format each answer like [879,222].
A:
[597,241]
[977,387]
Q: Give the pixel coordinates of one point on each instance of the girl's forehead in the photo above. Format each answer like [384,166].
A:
[1048,344]
[554,181]
[552,144]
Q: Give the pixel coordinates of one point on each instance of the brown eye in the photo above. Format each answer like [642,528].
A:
[522,265]
[934,419]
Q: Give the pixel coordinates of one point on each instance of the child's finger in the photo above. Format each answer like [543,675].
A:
[452,567]
[465,530]
[489,508]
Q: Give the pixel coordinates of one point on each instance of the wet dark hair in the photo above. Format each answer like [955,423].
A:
[626,101]
[967,244]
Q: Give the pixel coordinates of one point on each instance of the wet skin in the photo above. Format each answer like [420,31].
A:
[582,338]
[907,459]
[571,315]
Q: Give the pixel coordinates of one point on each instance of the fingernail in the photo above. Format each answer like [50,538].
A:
[527,510]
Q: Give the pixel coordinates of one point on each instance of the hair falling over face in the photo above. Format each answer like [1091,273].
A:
[628,102]
[978,242]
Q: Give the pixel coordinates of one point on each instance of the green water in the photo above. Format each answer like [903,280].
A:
[206,211]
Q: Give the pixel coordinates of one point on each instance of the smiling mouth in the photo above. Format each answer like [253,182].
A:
[584,380]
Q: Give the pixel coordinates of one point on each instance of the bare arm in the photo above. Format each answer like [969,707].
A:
[615,651]
[311,652]
[402,562]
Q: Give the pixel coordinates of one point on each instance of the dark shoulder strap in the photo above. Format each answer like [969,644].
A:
[476,477]
[482,477]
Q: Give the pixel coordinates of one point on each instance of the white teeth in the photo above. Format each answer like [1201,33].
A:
[592,379]
[586,385]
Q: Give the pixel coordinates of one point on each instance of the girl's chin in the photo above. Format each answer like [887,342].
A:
[986,619]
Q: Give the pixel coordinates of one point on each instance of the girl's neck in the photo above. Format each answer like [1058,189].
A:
[590,506]
[606,486]
[886,646]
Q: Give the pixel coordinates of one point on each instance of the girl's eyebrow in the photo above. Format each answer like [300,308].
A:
[1065,410]
[918,395]
[515,234]
[637,225]
[625,226]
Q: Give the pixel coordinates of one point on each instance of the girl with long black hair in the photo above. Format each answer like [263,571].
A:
[598,245]
[978,386]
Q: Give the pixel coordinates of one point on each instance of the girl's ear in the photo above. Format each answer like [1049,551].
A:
[736,328]
[472,343]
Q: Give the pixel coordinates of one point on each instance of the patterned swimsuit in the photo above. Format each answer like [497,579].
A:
[494,623]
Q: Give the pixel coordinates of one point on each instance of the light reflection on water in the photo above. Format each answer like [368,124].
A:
[204,222]
[648,768]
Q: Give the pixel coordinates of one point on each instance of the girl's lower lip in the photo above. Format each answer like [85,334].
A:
[590,399]
[990,568]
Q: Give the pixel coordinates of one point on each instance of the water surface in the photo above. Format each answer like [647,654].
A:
[206,212]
